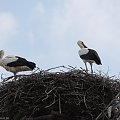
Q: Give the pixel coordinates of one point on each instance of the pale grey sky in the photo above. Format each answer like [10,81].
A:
[47,32]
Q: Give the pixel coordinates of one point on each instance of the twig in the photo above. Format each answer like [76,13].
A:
[51,103]
[54,68]
[85,102]
[59,105]
[104,112]
[15,95]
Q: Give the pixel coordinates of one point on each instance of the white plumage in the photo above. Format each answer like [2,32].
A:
[15,64]
[9,59]
[88,55]
[83,51]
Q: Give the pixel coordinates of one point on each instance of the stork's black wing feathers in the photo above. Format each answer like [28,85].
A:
[92,55]
[22,62]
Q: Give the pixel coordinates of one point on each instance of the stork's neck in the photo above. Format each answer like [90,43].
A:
[1,63]
[84,46]
[1,54]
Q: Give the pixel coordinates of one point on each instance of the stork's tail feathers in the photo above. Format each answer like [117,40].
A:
[98,62]
[31,65]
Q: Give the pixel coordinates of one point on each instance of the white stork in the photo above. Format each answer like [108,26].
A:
[88,55]
[15,64]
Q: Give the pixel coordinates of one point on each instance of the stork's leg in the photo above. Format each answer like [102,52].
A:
[15,75]
[86,67]
[91,68]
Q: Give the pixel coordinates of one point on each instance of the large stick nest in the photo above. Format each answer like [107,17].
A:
[71,95]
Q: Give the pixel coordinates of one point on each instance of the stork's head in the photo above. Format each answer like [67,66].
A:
[81,44]
[1,54]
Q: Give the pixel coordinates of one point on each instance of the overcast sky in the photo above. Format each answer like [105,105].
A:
[47,31]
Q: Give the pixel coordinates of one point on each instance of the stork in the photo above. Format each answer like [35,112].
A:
[88,55]
[15,64]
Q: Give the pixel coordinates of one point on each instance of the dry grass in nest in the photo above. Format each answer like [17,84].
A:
[45,95]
